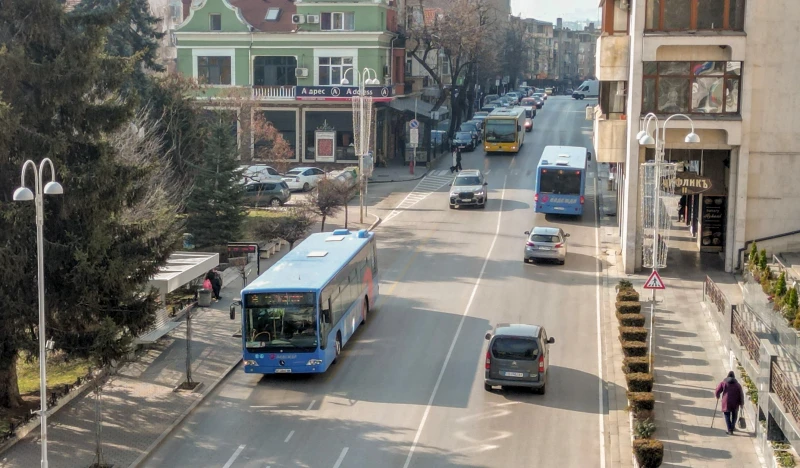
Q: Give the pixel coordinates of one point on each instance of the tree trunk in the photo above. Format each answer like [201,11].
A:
[346,205]
[322,228]
[9,388]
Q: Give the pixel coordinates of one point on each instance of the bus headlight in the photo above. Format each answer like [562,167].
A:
[314,362]
[250,363]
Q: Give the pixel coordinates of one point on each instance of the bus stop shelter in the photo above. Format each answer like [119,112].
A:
[182,268]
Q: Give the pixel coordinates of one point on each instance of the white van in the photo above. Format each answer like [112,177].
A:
[589,88]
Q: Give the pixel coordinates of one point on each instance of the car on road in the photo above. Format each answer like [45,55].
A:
[472,128]
[303,178]
[489,98]
[548,91]
[514,96]
[540,97]
[489,108]
[569,92]
[517,355]
[532,102]
[464,140]
[259,173]
[469,189]
[478,123]
[546,243]
[274,194]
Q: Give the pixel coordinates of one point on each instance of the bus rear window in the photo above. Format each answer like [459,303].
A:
[560,181]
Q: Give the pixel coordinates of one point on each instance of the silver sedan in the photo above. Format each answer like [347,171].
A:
[546,243]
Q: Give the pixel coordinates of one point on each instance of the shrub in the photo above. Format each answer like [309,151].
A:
[641,401]
[632,334]
[634,348]
[791,301]
[762,260]
[644,428]
[624,285]
[780,286]
[753,258]
[766,285]
[639,382]
[630,320]
[629,307]
[649,453]
[627,295]
[636,364]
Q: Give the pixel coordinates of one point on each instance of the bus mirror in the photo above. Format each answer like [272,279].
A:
[588,156]
[233,312]
[486,183]
[326,316]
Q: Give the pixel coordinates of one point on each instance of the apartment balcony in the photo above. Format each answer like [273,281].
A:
[610,137]
[613,57]
[273,93]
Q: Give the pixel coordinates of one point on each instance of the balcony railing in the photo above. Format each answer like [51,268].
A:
[273,92]
[695,15]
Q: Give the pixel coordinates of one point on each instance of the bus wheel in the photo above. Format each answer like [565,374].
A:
[365,311]
[338,346]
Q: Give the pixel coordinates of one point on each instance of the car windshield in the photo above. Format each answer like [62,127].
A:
[481,114]
[277,321]
[528,113]
[501,131]
[545,238]
[463,136]
[295,172]
[467,181]
[465,127]
[518,348]
[561,182]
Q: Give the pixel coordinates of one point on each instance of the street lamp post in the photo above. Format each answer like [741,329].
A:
[362,126]
[646,139]
[23,193]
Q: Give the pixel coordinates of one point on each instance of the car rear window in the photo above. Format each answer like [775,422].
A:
[521,349]
[545,238]
[283,185]
[294,172]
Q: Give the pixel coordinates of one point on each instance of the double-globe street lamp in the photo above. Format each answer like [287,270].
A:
[362,124]
[656,172]
[23,193]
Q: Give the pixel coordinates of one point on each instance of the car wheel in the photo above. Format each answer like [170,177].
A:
[452,207]
[365,310]
[561,262]
[482,205]
[487,387]
[275,203]
[541,391]
[306,187]
[337,347]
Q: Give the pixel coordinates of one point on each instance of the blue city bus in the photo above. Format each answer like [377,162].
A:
[561,180]
[297,316]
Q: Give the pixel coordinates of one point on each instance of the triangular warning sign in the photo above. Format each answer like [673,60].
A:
[654,281]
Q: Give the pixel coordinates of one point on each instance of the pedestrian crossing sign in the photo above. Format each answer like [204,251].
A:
[654,281]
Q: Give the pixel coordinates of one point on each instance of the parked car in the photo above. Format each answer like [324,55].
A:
[541,97]
[478,123]
[471,127]
[303,178]
[569,92]
[489,108]
[480,115]
[464,140]
[489,98]
[259,173]
[514,97]
[548,91]
[546,243]
[469,189]
[274,193]
[517,355]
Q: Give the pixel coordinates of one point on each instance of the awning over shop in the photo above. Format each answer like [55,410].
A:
[423,109]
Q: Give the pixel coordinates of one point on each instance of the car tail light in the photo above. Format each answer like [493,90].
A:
[541,363]
[582,199]
[536,197]
[530,244]
[559,245]
[488,360]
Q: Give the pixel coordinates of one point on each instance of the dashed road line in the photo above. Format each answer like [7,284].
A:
[311,405]
[341,458]
[288,437]
[234,456]
[432,182]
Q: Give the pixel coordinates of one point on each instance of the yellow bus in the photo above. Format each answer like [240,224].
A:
[504,130]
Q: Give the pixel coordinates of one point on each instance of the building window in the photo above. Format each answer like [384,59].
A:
[694,87]
[694,15]
[333,69]
[409,64]
[274,71]
[215,22]
[273,14]
[337,21]
[214,70]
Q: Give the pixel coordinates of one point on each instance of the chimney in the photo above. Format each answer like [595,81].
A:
[558,23]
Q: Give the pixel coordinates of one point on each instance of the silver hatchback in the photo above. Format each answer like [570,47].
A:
[546,243]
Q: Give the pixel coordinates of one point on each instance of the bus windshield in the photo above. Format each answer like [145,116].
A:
[501,131]
[562,182]
[280,321]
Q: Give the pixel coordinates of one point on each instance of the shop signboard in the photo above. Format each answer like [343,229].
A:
[325,144]
[342,93]
[712,237]
[687,183]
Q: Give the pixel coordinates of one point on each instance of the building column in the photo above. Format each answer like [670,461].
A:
[630,204]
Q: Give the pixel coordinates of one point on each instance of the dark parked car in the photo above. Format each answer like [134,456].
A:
[489,98]
[266,193]
[473,128]
[518,355]
[464,140]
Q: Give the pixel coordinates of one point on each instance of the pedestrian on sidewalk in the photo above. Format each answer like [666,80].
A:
[454,166]
[732,400]
[458,158]
[216,282]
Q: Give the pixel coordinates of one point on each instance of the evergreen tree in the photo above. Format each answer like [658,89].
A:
[753,254]
[780,285]
[109,233]
[214,210]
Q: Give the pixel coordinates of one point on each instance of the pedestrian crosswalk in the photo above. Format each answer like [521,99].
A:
[432,182]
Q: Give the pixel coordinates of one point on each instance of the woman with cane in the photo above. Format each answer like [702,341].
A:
[732,401]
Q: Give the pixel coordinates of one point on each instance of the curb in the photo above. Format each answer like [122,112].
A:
[398,180]
[160,440]
[376,223]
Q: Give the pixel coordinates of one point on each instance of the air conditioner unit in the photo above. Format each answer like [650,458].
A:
[298,19]
[301,72]
[312,19]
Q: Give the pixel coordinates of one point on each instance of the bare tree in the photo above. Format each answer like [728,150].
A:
[325,200]
[346,192]
[291,227]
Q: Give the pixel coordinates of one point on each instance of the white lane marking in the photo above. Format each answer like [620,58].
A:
[423,189]
[234,456]
[288,437]
[599,332]
[458,331]
[341,458]
[311,405]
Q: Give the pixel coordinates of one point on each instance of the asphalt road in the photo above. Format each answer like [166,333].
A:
[408,390]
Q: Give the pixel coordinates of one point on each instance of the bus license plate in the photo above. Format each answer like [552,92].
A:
[283,371]
[558,208]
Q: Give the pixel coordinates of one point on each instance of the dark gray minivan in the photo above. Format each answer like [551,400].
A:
[518,355]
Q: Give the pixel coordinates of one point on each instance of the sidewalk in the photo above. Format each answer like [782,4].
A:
[139,404]
[689,359]
[396,173]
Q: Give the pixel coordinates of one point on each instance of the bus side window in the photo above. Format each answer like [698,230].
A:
[325,323]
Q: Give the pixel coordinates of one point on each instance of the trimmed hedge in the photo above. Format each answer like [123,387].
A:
[636,364]
[641,401]
[628,295]
[629,307]
[639,382]
[634,348]
[630,320]
[649,453]
[632,334]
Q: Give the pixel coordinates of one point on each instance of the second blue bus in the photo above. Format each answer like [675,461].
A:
[561,180]
[297,316]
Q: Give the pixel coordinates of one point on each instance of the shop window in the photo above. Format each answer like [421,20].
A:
[274,71]
[694,15]
[333,69]
[694,87]
[337,21]
[214,70]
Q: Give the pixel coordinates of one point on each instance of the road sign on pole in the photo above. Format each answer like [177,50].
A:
[414,123]
[654,281]
[414,137]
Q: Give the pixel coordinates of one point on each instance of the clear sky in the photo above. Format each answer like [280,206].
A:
[549,10]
